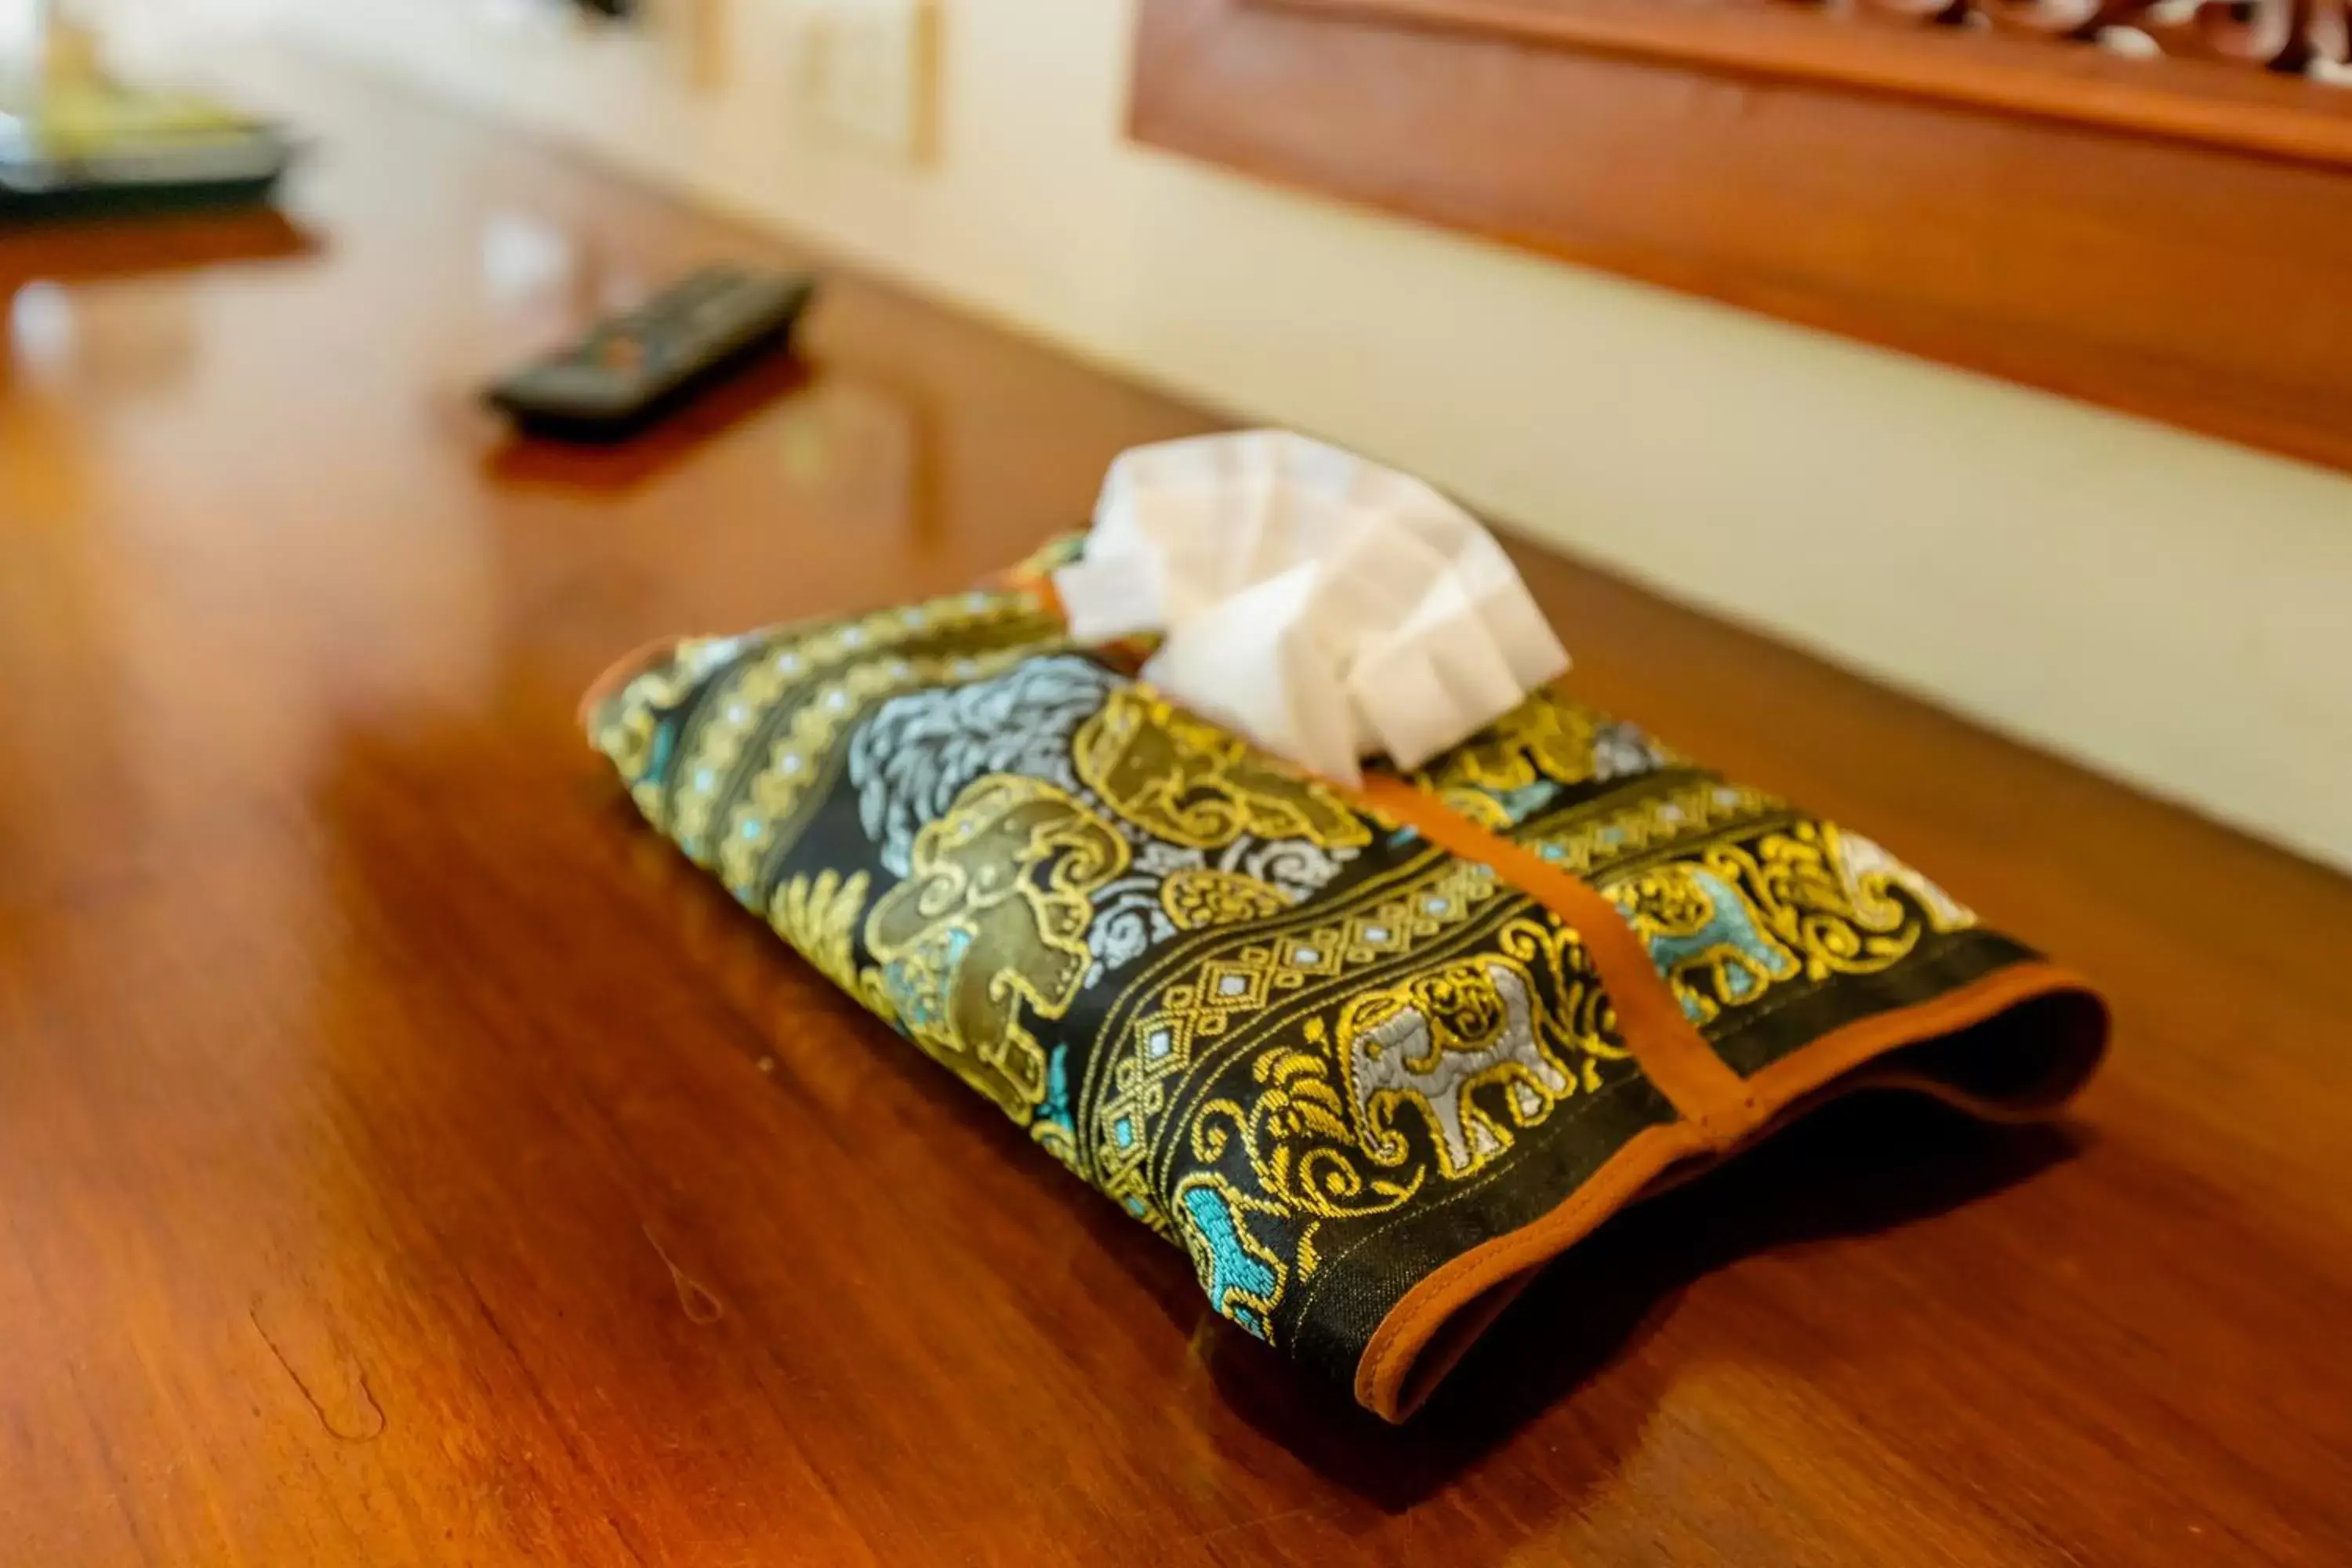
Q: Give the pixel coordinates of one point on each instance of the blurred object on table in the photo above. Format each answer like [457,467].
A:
[76,143]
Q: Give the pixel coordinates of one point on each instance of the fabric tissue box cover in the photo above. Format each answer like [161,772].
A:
[1370,1056]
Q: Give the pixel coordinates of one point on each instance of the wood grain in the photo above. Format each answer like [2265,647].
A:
[2158,271]
[404,1158]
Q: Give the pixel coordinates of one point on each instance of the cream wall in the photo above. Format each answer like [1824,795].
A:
[2174,610]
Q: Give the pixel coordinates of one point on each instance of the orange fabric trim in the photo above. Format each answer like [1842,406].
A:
[1822,1061]
[1048,592]
[1670,1050]
[1391,1380]
[619,673]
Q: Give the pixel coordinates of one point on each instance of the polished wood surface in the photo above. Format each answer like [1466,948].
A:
[406,1158]
[2049,215]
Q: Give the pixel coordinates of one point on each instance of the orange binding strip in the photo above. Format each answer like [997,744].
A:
[1440,1316]
[1664,1043]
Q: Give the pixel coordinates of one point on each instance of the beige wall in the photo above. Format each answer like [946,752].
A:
[2169,609]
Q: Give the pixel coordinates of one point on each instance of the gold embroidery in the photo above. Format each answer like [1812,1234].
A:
[1479,806]
[763,815]
[1436,1040]
[1703,936]
[1198,896]
[1513,1032]
[1473,1047]
[737,707]
[1195,784]
[1300,1139]
[1590,843]
[1279,1083]
[1231,983]
[1545,737]
[819,917]
[1242,1277]
[993,917]
[632,732]
[1727,924]
[1868,876]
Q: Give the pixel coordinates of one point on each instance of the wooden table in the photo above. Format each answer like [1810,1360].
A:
[404,1157]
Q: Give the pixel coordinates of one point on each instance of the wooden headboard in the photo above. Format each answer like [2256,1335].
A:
[2146,205]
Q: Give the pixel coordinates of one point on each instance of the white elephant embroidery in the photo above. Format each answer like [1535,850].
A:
[1435,1040]
[1867,872]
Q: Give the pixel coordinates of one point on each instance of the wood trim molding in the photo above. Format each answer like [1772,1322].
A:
[2172,238]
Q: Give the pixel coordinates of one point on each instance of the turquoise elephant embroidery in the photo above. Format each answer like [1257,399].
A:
[1241,1285]
[1703,937]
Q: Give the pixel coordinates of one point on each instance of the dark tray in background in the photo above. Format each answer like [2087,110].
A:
[108,153]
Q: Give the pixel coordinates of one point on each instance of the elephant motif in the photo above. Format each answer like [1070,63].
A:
[1543,739]
[920,749]
[991,920]
[1199,786]
[1702,936]
[1435,1040]
[1867,872]
[1243,1279]
[1546,740]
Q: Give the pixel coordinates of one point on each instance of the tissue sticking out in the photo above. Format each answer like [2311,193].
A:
[1326,607]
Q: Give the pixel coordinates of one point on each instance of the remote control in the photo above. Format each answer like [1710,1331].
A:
[631,369]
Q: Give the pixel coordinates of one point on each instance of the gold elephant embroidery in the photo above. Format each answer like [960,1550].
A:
[1194,784]
[992,921]
[1542,738]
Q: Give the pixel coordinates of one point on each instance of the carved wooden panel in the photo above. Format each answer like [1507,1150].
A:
[2273,35]
[2117,64]
[2010,185]
[2298,36]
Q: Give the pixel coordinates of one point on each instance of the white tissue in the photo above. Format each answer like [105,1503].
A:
[1326,607]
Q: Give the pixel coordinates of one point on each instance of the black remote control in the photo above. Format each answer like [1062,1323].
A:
[631,369]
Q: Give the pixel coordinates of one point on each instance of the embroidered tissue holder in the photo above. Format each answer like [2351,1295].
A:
[1370,1055]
